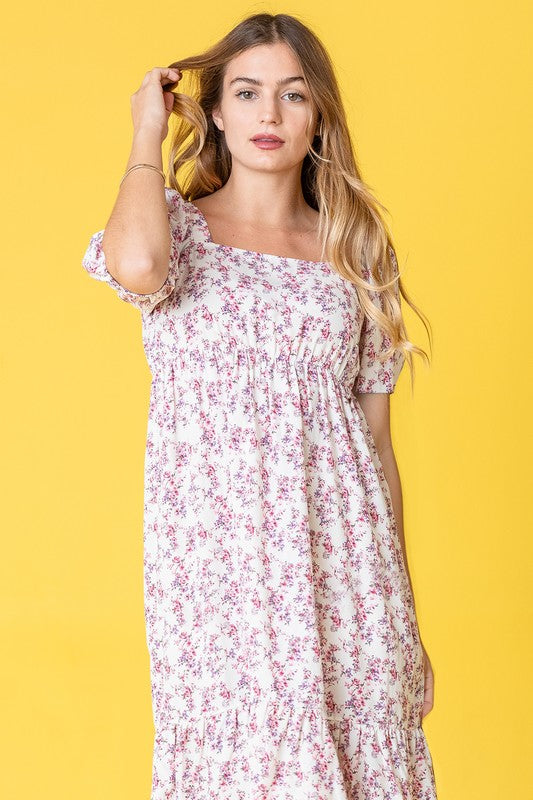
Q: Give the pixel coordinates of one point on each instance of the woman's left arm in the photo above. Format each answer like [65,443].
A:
[392,476]
[376,408]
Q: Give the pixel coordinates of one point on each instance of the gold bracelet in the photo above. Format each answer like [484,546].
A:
[138,166]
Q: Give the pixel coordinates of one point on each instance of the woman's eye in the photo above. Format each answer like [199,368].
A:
[249,91]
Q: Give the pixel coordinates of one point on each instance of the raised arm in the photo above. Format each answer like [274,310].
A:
[136,241]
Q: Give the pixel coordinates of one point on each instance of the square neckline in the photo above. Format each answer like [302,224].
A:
[230,248]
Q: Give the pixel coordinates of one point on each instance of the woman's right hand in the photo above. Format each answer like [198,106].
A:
[151,106]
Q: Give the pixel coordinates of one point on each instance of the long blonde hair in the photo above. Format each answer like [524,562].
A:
[355,238]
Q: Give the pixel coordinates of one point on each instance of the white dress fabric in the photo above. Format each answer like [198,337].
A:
[285,654]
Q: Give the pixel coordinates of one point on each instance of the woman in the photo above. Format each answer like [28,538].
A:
[286,660]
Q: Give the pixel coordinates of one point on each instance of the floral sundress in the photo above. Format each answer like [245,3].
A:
[285,655]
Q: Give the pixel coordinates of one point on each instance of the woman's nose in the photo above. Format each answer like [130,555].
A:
[270,112]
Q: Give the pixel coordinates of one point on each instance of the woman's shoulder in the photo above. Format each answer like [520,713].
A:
[180,214]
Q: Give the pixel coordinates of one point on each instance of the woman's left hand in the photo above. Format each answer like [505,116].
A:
[429,683]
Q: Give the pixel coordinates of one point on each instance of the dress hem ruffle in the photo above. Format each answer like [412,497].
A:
[269,750]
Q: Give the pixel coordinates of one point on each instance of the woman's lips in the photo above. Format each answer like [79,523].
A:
[267,144]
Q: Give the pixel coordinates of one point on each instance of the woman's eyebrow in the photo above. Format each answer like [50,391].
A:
[257,82]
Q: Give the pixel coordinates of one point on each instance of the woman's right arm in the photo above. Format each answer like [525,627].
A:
[136,241]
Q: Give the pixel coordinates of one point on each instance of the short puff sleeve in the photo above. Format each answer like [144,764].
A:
[375,375]
[94,260]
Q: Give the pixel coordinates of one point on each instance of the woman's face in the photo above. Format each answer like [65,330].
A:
[253,102]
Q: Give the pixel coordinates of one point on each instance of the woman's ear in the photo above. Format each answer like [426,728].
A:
[217,119]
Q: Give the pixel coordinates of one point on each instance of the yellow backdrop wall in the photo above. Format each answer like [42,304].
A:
[437,96]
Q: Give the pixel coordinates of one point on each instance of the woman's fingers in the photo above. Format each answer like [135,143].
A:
[163,75]
[429,683]
[172,73]
[152,103]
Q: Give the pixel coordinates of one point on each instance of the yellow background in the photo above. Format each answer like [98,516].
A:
[438,97]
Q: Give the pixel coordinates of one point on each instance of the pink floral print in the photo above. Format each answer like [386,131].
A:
[285,655]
